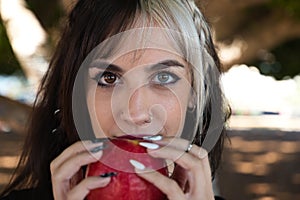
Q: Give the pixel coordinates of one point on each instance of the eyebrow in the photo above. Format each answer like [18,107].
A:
[115,68]
[106,66]
[166,64]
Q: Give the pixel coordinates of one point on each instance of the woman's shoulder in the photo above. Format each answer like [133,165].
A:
[30,194]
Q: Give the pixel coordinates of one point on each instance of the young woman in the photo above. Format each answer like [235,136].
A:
[146,68]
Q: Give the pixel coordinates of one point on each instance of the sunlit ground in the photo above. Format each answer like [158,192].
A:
[9,154]
[261,164]
[7,165]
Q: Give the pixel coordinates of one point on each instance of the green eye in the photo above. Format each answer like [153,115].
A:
[164,78]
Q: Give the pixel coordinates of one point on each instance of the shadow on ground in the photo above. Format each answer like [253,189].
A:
[261,164]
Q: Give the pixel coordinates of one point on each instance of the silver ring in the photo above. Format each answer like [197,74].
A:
[188,149]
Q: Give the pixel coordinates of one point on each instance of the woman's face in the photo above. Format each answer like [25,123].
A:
[143,92]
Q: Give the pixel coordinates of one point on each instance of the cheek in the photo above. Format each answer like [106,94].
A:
[174,104]
[176,111]
[102,119]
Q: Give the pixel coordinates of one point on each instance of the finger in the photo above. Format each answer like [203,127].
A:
[195,162]
[182,144]
[185,160]
[206,165]
[73,164]
[180,176]
[170,143]
[74,149]
[81,190]
[166,185]
[175,142]
[197,170]
[198,173]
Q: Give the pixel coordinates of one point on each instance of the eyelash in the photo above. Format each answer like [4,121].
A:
[101,75]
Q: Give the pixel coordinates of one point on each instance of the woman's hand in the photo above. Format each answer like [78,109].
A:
[191,178]
[67,181]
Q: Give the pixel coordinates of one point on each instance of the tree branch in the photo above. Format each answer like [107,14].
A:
[267,34]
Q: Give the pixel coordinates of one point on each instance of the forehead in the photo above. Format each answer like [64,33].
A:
[138,39]
[146,57]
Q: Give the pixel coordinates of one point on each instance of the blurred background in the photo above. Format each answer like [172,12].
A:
[259,44]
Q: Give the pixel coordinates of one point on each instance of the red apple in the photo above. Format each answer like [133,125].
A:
[126,185]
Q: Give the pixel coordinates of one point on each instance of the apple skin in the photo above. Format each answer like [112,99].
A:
[126,185]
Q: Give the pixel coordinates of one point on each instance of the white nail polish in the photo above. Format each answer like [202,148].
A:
[137,164]
[153,137]
[149,145]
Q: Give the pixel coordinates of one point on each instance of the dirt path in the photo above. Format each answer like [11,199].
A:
[261,164]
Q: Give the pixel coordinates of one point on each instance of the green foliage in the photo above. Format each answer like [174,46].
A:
[288,57]
[289,7]
[8,62]
[284,61]
[292,7]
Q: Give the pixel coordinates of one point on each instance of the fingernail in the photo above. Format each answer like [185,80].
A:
[108,174]
[98,140]
[153,137]
[149,145]
[137,164]
[97,149]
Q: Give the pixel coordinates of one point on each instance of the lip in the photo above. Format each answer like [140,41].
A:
[132,137]
[138,135]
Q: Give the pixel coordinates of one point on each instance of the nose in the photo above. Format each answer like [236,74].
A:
[139,104]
